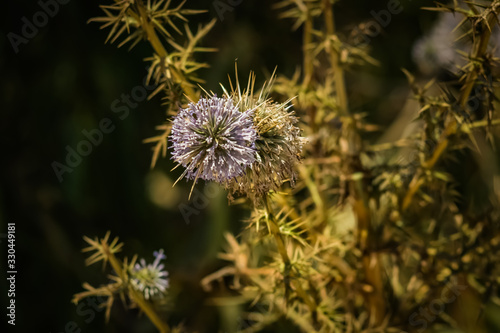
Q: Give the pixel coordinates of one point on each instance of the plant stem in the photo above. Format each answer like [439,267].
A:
[371,260]
[275,231]
[157,45]
[308,58]
[352,147]
[338,71]
[149,311]
[287,274]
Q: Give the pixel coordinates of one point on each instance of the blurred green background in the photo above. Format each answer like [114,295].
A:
[64,80]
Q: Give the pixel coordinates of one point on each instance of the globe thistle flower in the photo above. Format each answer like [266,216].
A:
[250,145]
[213,139]
[150,279]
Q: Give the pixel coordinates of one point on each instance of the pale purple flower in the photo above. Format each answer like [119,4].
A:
[213,139]
[150,279]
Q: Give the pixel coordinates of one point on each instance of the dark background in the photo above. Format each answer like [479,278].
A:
[64,80]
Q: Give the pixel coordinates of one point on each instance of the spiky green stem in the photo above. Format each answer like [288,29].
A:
[451,128]
[338,71]
[157,45]
[308,57]
[280,244]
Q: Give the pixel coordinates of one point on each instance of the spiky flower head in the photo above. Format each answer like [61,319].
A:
[213,139]
[150,279]
[278,146]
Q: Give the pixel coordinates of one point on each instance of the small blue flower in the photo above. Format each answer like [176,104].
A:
[213,139]
[150,279]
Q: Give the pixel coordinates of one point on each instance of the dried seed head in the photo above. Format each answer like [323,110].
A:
[278,149]
[278,146]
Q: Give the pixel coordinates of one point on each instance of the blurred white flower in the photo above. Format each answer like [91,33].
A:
[439,49]
[150,279]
